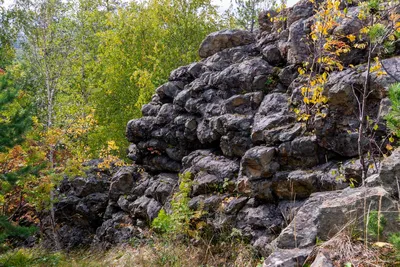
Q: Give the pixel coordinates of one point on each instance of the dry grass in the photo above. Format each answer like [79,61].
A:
[160,252]
[341,249]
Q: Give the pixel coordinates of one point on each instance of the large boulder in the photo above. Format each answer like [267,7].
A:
[221,40]
[325,214]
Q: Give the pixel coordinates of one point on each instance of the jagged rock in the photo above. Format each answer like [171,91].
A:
[296,184]
[169,90]
[235,205]
[384,109]
[288,74]
[258,162]
[301,152]
[324,214]
[341,93]
[72,237]
[161,163]
[123,182]
[234,145]
[273,112]
[207,203]
[282,134]
[298,50]
[272,55]
[243,104]
[391,67]
[206,183]
[287,258]
[206,161]
[304,9]
[162,186]
[221,40]
[117,230]
[321,261]
[86,186]
[351,24]
[247,76]
[93,206]
[151,109]
[259,221]
[389,174]
[138,129]
[145,208]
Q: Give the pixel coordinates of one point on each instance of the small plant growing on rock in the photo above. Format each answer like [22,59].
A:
[179,221]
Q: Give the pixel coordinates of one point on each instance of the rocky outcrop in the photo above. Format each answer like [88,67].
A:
[229,121]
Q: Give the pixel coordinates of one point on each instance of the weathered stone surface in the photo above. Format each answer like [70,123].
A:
[287,258]
[272,55]
[389,174]
[288,74]
[114,231]
[123,182]
[221,40]
[258,162]
[298,50]
[273,112]
[321,261]
[256,221]
[161,186]
[145,208]
[86,186]
[206,161]
[324,214]
[301,152]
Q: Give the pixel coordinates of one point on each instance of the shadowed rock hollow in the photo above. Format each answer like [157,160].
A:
[228,120]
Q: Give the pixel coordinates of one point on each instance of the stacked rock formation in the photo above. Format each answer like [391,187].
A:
[228,120]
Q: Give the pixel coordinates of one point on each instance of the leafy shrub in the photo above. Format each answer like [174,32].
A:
[179,219]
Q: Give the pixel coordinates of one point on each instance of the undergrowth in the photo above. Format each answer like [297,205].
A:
[159,252]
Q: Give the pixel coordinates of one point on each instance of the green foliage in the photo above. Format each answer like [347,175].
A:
[7,37]
[181,220]
[373,5]
[376,32]
[393,118]
[376,223]
[142,44]
[15,118]
[9,230]
[246,12]
[178,221]
[394,239]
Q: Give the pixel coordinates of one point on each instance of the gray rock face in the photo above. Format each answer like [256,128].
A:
[258,163]
[389,174]
[287,258]
[324,214]
[221,40]
[321,261]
